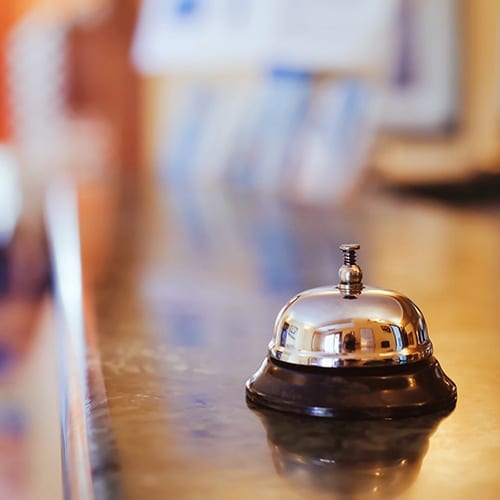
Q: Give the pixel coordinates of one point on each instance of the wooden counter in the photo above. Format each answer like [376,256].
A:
[185,310]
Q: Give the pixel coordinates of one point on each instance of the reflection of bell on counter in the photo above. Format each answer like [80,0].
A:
[363,459]
[350,351]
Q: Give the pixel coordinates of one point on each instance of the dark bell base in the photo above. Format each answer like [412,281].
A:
[353,393]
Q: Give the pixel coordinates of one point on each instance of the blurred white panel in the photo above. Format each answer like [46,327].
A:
[422,95]
[303,34]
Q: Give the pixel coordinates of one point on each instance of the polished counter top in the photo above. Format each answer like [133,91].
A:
[185,301]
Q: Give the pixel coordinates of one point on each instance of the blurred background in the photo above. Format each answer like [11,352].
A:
[302,99]
[309,105]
